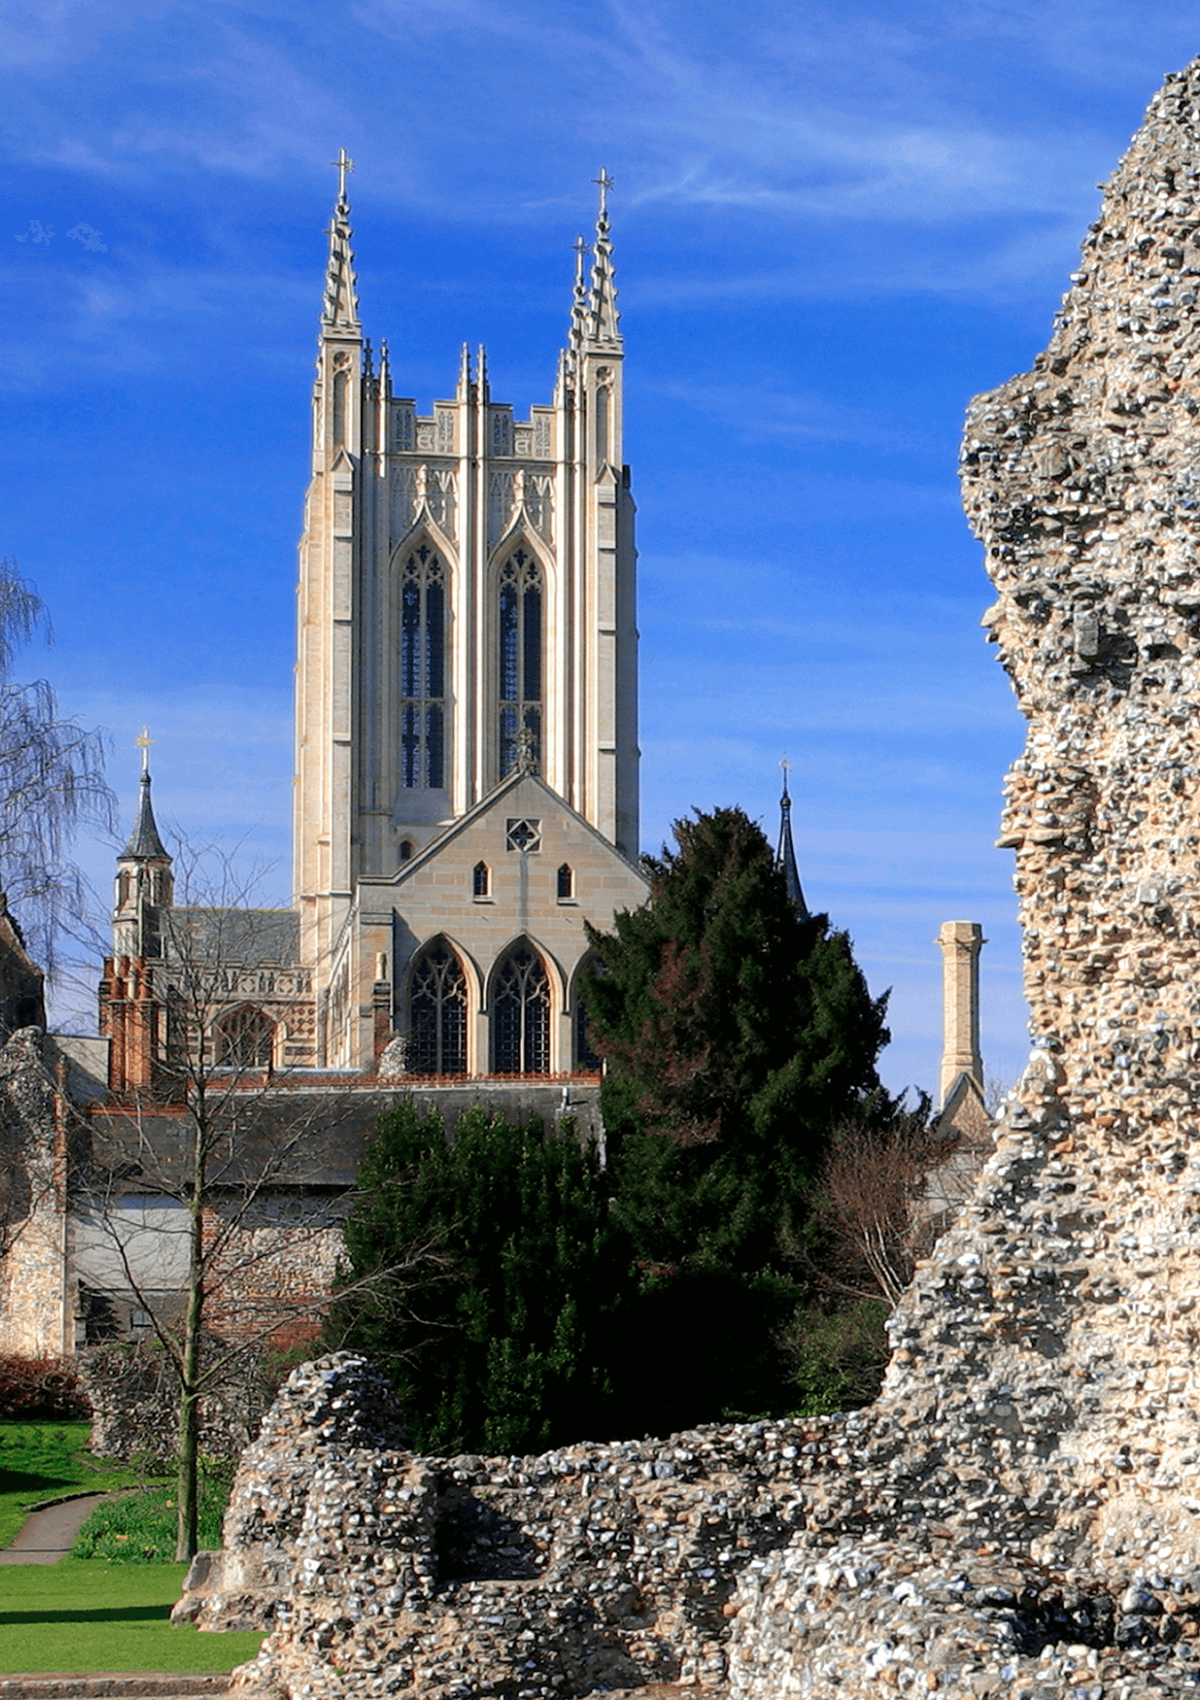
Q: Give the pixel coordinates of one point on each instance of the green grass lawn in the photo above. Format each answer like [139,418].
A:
[41,1460]
[86,1615]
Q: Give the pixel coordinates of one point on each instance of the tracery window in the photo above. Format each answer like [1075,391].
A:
[521,1015]
[437,1014]
[520,675]
[423,671]
[245,1039]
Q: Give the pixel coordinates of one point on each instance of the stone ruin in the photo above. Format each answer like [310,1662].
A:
[1019,1512]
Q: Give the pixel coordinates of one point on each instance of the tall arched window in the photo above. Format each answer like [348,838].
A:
[437,1014]
[423,671]
[521,1014]
[520,632]
[245,1039]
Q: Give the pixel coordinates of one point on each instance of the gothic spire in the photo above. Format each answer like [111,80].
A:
[579,300]
[785,856]
[603,317]
[340,310]
[144,843]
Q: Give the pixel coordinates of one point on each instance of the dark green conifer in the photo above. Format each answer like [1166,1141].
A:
[496,1333]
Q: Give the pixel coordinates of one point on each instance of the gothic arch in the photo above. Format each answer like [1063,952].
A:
[516,676]
[582,1055]
[244,1038]
[521,1008]
[438,1003]
[421,637]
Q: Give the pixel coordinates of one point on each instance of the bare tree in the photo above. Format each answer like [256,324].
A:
[217,1189]
[51,783]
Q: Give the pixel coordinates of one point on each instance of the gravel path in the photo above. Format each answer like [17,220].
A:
[49,1535]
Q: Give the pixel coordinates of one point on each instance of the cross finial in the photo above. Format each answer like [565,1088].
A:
[343,164]
[605,183]
[786,765]
[144,742]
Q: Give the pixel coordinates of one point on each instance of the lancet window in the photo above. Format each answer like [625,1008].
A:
[437,1014]
[521,1014]
[423,671]
[520,672]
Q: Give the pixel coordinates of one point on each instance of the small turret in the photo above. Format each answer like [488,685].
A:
[603,318]
[145,885]
[785,856]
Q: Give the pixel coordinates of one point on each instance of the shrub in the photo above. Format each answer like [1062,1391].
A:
[41,1387]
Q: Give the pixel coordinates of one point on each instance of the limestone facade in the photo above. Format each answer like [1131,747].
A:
[466,608]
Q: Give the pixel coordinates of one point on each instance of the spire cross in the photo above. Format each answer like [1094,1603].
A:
[343,163]
[605,183]
[786,765]
[144,742]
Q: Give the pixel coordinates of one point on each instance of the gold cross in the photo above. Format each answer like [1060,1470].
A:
[606,183]
[344,163]
[143,743]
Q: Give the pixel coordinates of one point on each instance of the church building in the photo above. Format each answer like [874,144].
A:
[466,780]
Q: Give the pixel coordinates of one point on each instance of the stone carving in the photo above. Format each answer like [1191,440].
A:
[500,504]
[404,500]
[404,428]
[538,495]
[393,1059]
[441,491]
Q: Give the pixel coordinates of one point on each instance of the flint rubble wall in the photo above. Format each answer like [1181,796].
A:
[1018,1514]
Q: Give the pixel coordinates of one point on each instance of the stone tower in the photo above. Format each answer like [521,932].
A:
[961,942]
[466,599]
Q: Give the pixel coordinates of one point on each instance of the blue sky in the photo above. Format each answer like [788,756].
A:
[833,224]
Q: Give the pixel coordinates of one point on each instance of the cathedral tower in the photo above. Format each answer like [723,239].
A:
[466,599]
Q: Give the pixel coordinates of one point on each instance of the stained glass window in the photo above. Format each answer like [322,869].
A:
[520,659]
[521,1015]
[423,671]
[437,1013]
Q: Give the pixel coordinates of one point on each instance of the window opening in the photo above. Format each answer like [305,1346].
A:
[437,1014]
[520,630]
[585,1056]
[423,671]
[523,835]
[405,849]
[245,1039]
[521,1015]
[482,879]
[566,881]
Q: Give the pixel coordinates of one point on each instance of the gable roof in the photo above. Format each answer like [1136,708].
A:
[485,806]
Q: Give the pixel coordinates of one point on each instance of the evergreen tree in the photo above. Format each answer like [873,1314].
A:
[503,1344]
[737,1034]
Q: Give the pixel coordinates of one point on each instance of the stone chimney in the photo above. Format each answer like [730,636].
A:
[961,942]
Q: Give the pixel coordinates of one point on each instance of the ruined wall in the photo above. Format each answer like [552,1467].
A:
[36,1300]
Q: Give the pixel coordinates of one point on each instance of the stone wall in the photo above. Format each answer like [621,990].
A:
[35,1315]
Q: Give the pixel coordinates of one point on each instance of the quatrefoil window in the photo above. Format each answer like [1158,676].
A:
[525,835]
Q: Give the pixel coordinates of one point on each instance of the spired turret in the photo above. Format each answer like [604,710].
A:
[785,855]
[145,884]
